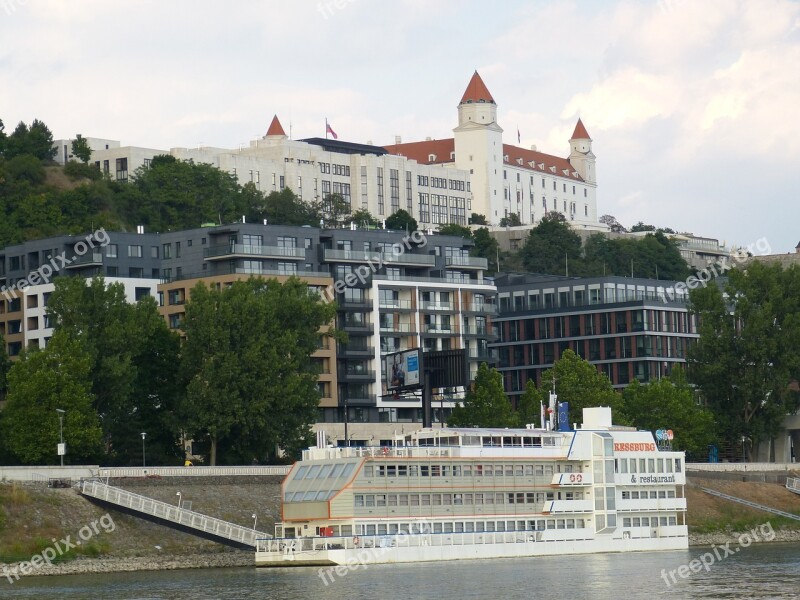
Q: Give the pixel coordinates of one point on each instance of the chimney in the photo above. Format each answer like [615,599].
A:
[533,147]
[398,139]
[428,139]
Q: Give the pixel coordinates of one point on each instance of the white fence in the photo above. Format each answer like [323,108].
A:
[190,471]
[741,467]
[793,484]
[169,512]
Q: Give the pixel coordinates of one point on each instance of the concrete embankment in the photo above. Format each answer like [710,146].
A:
[32,515]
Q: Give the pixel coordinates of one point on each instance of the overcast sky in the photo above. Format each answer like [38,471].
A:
[692,105]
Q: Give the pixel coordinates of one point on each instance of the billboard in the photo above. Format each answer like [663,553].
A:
[402,370]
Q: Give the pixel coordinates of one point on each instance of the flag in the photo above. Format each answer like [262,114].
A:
[519,137]
[329,129]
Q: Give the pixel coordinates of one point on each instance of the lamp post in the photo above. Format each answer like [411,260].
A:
[744,453]
[255,520]
[144,435]
[61,448]
[180,497]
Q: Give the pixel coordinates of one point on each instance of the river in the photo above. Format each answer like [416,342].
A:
[757,572]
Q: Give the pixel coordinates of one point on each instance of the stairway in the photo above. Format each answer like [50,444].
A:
[774,511]
[171,515]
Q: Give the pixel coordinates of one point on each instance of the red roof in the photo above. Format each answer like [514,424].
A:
[476,91]
[580,132]
[519,157]
[539,161]
[421,151]
[275,128]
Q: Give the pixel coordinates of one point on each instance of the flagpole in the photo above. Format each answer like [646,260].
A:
[326,128]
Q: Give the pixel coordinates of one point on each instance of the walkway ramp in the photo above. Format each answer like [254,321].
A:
[768,509]
[173,516]
[793,484]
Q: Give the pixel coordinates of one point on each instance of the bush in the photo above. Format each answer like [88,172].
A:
[75,170]
[26,167]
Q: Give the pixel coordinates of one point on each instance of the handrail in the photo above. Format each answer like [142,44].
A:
[171,513]
[199,471]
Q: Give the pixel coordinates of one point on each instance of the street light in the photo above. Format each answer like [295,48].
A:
[144,435]
[180,497]
[255,520]
[62,450]
[744,454]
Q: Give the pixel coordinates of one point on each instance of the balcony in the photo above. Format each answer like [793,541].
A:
[482,308]
[355,351]
[439,329]
[356,326]
[356,375]
[355,303]
[396,304]
[444,306]
[466,262]
[379,258]
[248,251]
[399,328]
[91,259]
[482,356]
[480,332]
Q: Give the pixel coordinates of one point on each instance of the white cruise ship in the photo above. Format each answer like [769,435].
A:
[451,493]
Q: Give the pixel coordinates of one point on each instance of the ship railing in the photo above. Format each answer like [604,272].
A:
[377,543]
[377,452]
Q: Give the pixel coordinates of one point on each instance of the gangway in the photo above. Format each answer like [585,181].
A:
[793,484]
[768,509]
[172,516]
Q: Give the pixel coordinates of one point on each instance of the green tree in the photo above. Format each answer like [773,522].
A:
[486,404]
[401,221]
[578,382]
[26,167]
[40,382]
[132,360]
[746,357]
[251,382]
[36,140]
[286,208]
[552,247]
[486,247]
[529,408]
[5,365]
[453,229]
[363,218]
[669,403]
[512,220]
[477,219]
[642,227]
[3,138]
[335,210]
[81,149]
[653,256]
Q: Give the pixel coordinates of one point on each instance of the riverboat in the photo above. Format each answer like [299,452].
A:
[471,493]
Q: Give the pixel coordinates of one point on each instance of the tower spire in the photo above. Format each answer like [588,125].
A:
[476,91]
[275,128]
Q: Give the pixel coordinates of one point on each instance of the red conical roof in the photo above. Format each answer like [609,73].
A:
[476,91]
[275,128]
[580,132]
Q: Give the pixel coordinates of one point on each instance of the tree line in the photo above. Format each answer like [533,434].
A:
[241,385]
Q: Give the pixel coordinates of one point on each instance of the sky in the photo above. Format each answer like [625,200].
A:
[691,105]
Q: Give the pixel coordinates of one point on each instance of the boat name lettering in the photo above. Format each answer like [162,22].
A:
[634,447]
[653,479]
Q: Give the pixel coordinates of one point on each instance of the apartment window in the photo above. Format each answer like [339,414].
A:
[167,250]
[153,251]
[111,251]
[177,249]
[134,251]
[122,169]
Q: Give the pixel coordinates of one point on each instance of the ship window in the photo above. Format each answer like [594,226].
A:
[369,471]
[662,494]
[456,470]
[469,527]
[403,499]
[642,466]
[424,470]
[548,470]
[288,496]
[518,470]
[529,470]
[530,497]
[490,526]
[370,500]
[550,496]
[499,498]
[570,523]
[478,498]
[458,499]
[402,470]
[480,526]
[488,498]
[677,465]
[669,465]
[501,526]
[312,472]
[660,464]
[426,499]
[381,529]
[324,495]
[488,470]
[447,499]
[567,468]
[626,522]
[498,472]
[633,465]
[391,470]
[623,465]
[326,470]
[509,470]
[645,522]
[413,470]
[670,493]
[626,495]
[540,470]
[673,521]
[560,524]
[348,469]
[437,499]
[337,470]
[392,500]
[467,498]
[651,465]
[414,499]
[663,521]
[359,500]
[459,527]
[301,472]
[437,528]
[309,496]
[380,499]
[381,470]
[370,529]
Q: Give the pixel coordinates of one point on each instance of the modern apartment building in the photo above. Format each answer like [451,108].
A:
[394,291]
[629,328]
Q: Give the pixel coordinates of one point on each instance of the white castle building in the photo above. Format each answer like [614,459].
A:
[437,181]
[506,178]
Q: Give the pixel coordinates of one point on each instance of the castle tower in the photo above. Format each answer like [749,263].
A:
[581,156]
[275,129]
[478,143]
